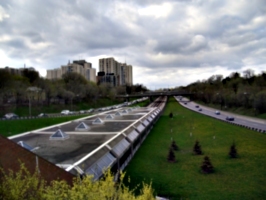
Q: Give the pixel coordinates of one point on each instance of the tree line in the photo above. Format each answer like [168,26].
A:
[248,90]
[73,87]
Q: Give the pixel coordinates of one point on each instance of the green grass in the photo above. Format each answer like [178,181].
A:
[241,178]
[13,127]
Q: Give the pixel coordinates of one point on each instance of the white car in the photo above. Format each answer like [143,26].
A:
[217,112]
[65,112]
[10,116]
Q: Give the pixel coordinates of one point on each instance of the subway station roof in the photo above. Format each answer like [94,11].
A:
[84,145]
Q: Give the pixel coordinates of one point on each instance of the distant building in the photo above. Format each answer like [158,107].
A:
[18,71]
[107,78]
[122,72]
[78,66]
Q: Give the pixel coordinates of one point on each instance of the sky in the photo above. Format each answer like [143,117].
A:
[169,43]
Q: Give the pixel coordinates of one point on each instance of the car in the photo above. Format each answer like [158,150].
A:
[217,112]
[197,106]
[90,110]
[43,115]
[230,118]
[11,116]
[65,112]
[82,111]
[200,109]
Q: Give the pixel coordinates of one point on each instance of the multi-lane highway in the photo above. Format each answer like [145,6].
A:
[248,122]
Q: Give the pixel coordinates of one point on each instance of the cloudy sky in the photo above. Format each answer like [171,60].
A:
[168,43]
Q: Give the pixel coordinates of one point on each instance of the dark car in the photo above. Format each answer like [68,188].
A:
[197,106]
[230,118]
[217,112]
[11,116]
[200,109]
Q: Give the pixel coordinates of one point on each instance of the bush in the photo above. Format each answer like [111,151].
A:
[174,146]
[197,148]
[233,151]
[23,185]
[206,166]
[171,155]
[171,115]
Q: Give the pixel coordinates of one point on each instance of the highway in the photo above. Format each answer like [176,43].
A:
[240,120]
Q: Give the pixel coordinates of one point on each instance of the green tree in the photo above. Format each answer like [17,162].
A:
[206,166]
[31,75]
[174,146]
[233,151]
[260,101]
[171,155]
[21,185]
[197,148]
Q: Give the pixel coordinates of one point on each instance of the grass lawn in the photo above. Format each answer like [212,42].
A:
[241,178]
[13,127]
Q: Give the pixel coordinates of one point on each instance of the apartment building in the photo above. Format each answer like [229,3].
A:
[109,78]
[18,71]
[122,71]
[78,66]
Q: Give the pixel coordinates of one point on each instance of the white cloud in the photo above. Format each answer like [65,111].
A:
[173,42]
[156,11]
[3,14]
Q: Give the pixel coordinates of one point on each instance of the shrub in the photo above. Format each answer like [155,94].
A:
[197,148]
[171,115]
[206,166]
[174,146]
[23,185]
[171,155]
[233,151]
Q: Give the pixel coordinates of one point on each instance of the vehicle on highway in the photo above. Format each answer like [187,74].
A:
[200,109]
[65,112]
[11,116]
[82,111]
[43,115]
[90,110]
[197,106]
[230,118]
[217,112]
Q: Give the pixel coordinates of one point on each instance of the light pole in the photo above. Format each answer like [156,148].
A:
[30,92]
[29,106]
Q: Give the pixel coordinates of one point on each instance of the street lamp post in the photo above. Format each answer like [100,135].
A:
[29,106]
[31,91]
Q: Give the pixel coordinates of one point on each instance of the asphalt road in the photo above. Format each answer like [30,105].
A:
[240,120]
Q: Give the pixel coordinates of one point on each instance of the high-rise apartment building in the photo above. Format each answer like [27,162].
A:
[121,71]
[18,71]
[78,66]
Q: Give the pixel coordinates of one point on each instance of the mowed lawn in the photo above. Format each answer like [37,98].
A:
[241,178]
[14,127]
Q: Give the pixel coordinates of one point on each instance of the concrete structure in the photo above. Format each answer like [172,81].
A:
[121,71]
[78,66]
[91,144]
